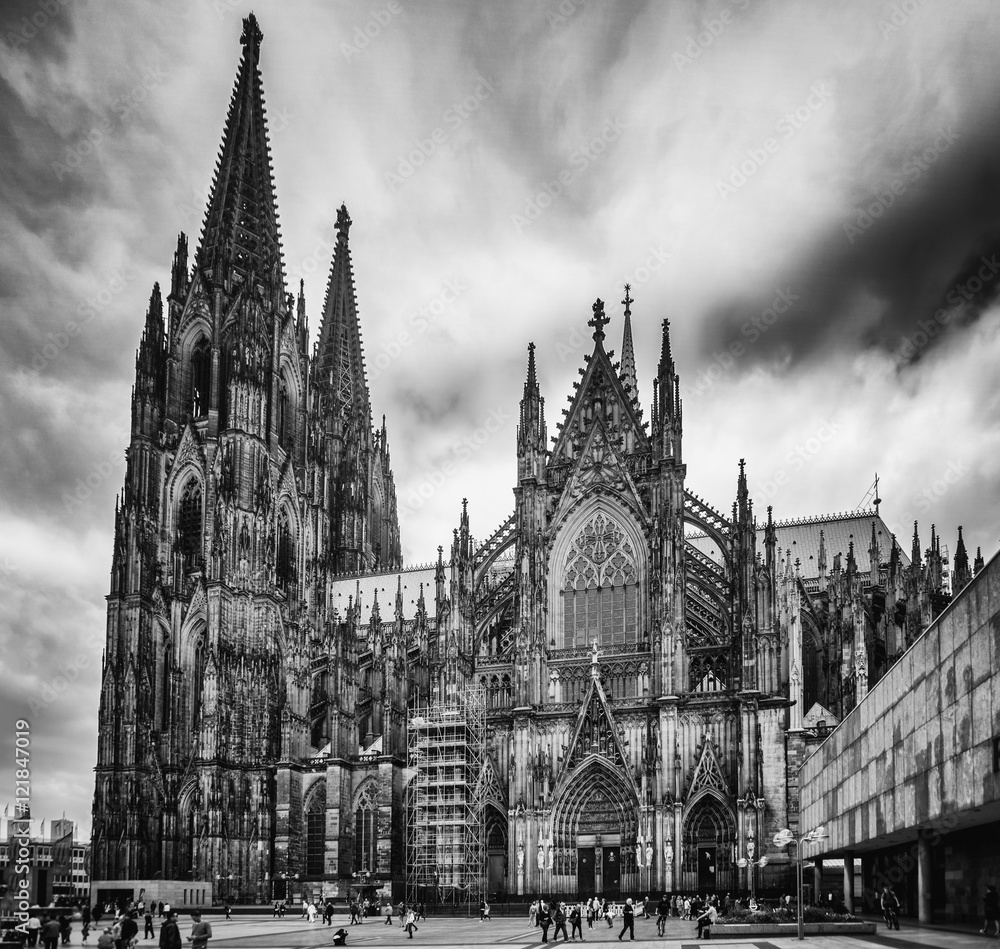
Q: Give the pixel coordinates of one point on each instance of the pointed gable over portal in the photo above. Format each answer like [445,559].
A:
[601,398]
[708,774]
[596,732]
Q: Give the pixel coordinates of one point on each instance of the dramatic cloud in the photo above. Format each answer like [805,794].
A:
[808,192]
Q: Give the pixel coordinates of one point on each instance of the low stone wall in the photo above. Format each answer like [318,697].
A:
[720,930]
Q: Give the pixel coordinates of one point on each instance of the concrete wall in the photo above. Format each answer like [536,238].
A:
[916,757]
[180,894]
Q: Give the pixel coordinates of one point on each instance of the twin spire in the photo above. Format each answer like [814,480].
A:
[240,235]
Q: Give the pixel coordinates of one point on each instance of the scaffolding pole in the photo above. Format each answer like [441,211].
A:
[445,851]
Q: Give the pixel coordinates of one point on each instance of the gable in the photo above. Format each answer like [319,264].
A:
[708,774]
[601,396]
[596,732]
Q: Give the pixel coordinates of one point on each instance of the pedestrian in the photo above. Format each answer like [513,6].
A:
[129,931]
[170,934]
[50,933]
[107,940]
[86,931]
[544,919]
[65,927]
[34,927]
[201,931]
[311,912]
[484,911]
[229,911]
[645,907]
[576,923]
[421,911]
[282,906]
[159,911]
[991,905]
[533,913]
[340,937]
[148,934]
[275,912]
[560,920]
[411,922]
[388,914]
[628,920]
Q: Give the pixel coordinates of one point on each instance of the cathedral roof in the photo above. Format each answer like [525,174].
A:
[802,536]
[363,588]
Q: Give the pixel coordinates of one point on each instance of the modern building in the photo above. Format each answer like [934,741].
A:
[57,861]
[908,784]
[652,670]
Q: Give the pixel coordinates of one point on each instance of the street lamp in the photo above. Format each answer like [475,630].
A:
[785,837]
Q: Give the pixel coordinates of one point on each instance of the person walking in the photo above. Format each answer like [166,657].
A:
[170,934]
[411,922]
[560,920]
[662,912]
[628,920]
[129,931]
[484,911]
[50,933]
[533,913]
[148,933]
[544,919]
[201,932]
[991,906]
[388,914]
[575,923]
[229,911]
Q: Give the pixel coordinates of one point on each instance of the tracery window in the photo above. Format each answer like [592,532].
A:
[285,554]
[201,378]
[189,524]
[286,424]
[600,586]
[316,831]
[366,831]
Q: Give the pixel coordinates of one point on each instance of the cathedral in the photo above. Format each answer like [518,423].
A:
[652,671]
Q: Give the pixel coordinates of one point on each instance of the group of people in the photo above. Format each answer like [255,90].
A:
[547,913]
[50,931]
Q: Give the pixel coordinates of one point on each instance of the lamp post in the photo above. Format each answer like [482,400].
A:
[781,840]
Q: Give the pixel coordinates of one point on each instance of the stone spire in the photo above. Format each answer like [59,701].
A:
[340,360]
[628,375]
[962,573]
[531,430]
[240,234]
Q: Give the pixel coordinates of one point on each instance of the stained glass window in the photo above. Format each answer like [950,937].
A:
[600,586]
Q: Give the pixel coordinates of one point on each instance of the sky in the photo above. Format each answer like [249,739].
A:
[810,193]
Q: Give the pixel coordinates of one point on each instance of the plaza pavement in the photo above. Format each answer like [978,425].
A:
[251,931]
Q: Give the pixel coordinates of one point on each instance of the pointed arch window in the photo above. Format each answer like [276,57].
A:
[316,831]
[189,524]
[286,416]
[366,831]
[201,378]
[285,554]
[600,586]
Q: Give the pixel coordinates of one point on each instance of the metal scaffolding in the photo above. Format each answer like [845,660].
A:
[445,851]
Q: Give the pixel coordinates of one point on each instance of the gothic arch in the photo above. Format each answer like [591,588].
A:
[314,829]
[597,799]
[364,809]
[568,536]
[709,837]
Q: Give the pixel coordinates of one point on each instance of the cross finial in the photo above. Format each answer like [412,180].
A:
[599,320]
[628,301]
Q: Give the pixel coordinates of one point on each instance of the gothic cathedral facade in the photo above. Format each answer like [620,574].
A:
[653,669]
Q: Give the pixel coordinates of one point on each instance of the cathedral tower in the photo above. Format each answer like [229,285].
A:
[254,476]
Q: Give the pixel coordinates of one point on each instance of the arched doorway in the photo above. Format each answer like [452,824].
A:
[709,838]
[595,824]
[496,851]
